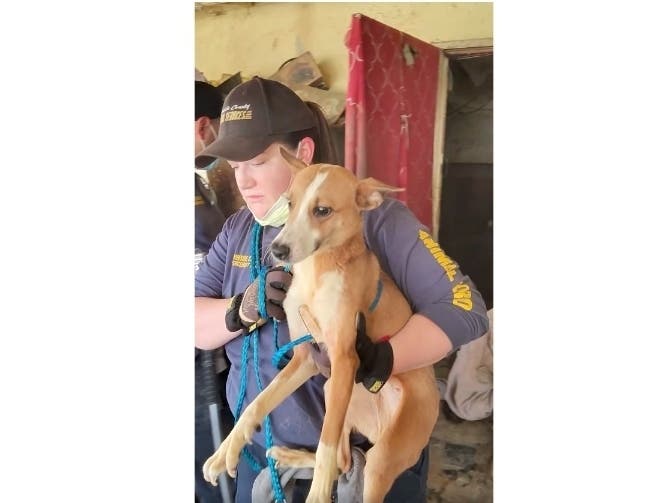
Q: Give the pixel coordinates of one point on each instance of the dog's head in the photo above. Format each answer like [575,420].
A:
[325,208]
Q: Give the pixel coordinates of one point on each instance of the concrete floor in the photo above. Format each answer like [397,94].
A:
[461,457]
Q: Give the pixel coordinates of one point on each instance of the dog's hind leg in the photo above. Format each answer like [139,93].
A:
[292,458]
[300,458]
[382,467]
[397,449]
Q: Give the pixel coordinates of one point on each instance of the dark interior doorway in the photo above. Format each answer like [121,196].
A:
[466,206]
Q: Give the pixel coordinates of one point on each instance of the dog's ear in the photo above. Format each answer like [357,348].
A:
[295,163]
[370,193]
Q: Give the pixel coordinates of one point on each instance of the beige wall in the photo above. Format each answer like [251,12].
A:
[256,38]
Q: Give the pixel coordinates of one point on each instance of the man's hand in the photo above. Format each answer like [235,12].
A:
[376,358]
[243,313]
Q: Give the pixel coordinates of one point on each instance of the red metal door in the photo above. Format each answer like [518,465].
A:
[392,99]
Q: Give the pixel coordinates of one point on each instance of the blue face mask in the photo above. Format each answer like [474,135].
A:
[212,164]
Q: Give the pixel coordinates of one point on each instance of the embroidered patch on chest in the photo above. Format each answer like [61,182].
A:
[241,260]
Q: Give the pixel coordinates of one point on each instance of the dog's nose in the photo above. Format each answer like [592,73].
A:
[280,251]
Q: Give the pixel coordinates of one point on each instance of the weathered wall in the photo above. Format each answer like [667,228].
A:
[256,38]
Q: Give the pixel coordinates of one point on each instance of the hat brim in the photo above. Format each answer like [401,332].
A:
[232,149]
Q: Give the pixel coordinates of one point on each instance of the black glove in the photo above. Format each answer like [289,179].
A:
[376,358]
[243,311]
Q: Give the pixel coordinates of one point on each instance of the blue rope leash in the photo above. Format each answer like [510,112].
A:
[281,352]
[272,463]
[257,271]
[255,268]
[255,465]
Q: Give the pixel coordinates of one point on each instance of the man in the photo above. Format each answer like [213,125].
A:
[208,222]
[208,217]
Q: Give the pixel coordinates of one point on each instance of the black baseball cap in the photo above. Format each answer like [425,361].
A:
[208,101]
[255,114]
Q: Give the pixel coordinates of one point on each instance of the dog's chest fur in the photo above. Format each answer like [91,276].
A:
[321,292]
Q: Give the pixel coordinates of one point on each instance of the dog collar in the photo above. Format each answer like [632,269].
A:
[375,301]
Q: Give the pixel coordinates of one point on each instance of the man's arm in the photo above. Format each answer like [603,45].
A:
[210,323]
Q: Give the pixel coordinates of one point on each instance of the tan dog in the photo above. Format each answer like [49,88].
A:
[336,276]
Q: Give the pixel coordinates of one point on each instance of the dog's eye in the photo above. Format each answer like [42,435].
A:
[321,211]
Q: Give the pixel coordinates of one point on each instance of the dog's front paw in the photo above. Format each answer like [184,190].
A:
[227,456]
[216,464]
[241,434]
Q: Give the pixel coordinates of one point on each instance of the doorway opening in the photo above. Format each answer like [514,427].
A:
[466,201]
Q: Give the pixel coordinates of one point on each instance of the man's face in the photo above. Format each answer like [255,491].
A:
[205,133]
